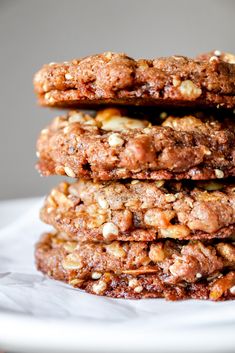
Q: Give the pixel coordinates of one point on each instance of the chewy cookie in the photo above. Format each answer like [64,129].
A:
[116,79]
[170,269]
[151,214]
[141,210]
[113,146]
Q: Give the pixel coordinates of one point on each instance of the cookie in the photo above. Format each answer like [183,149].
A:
[113,145]
[116,79]
[167,269]
[141,210]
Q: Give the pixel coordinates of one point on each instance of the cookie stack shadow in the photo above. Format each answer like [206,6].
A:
[151,213]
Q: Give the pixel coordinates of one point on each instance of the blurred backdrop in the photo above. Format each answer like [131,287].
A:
[36,32]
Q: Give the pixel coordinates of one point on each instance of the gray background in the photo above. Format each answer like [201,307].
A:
[37,32]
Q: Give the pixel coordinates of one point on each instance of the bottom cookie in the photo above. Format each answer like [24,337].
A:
[153,286]
[110,269]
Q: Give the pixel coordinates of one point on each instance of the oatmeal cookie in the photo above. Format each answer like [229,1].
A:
[112,145]
[116,79]
[142,210]
[167,268]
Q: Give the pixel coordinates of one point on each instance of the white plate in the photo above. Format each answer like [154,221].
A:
[41,315]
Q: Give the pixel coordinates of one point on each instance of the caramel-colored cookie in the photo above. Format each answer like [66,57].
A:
[141,210]
[167,269]
[114,146]
[116,79]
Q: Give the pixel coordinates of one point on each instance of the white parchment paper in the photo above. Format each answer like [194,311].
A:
[27,296]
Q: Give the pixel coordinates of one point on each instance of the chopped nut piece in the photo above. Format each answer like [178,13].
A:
[189,90]
[60,122]
[71,262]
[229,58]
[96,275]
[76,282]
[232,290]
[51,201]
[115,249]
[140,271]
[115,140]
[213,58]
[44,131]
[74,191]
[83,119]
[109,229]
[133,182]
[76,118]
[102,203]
[123,123]
[138,289]
[147,130]
[108,55]
[111,120]
[226,57]
[160,183]
[227,251]
[70,246]
[69,172]
[221,285]
[107,113]
[145,261]
[170,198]
[97,217]
[133,283]
[49,98]
[155,217]
[157,252]
[219,173]
[186,123]
[50,209]
[59,170]
[67,129]
[207,152]
[68,76]
[47,95]
[99,287]
[176,81]
[61,199]
[217,52]
[177,231]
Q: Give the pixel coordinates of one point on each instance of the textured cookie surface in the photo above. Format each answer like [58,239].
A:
[116,79]
[141,210]
[170,269]
[114,146]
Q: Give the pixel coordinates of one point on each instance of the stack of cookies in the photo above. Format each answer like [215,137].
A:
[152,210]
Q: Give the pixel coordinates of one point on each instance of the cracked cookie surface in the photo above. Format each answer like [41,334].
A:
[112,145]
[142,210]
[116,79]
[167,269]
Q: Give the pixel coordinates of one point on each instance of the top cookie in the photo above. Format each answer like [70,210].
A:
[116,79]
